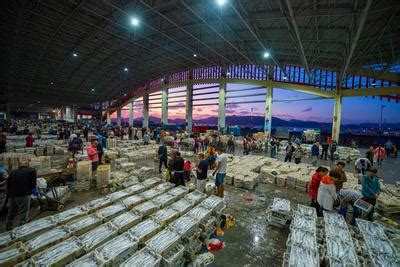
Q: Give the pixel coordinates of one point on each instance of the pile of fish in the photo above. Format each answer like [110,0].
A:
[279,213]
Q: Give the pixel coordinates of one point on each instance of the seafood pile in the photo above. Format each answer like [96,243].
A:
[279,212]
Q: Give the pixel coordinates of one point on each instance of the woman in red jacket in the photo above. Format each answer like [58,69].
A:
[313,187]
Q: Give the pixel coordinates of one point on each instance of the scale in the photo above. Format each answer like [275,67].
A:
[363,205]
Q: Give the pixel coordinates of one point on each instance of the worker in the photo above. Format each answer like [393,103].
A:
[370,189]
[289,152]
[220,172]
[100,149]
[273,146]
[211,155]
[202,170]
[93,155]
[163,156]
[196,144]
[345,197]
[29,140]
[325,147]
[298,153]
[3,187]
[21,182]
[370,154]
[333,148]
[86,133]
[361,165]
[314,153]
[314,186]
[389,148]
[3,141]
[177,167]
[231,145]
[327,190]
[339,182]
[379,153]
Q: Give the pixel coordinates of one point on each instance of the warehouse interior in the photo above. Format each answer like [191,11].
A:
[200,133]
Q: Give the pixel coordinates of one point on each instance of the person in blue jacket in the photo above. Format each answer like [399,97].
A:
[314,153]
[370,189]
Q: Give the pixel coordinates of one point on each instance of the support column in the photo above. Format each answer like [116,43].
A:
[337,117]
[222,101]
[146,111]
[119,117]
[268,109]
[164,105]
[131,113]
[189,106]
[108,118]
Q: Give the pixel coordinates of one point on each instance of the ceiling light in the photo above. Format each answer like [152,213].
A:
[75,55]
[228,74]
[266,54]
[284,77]
[38,102]
[92,90]
[51,83]
[194,55]
[221,2]
[134,21]
[126,69]
[373,84]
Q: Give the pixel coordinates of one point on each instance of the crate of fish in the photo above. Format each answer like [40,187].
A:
[146,208]
[97,204]
[300,256]
[151,182]
[69,215]
[89,259]
[182,206]
[214,203]
[174,257]
[7,239]
[118,249]
[111,211]
[59,254]
[179,191]
[334,219]
[304,223]
[341,251]
[196,196]
[151,193]
[133,201]
[369,228]
[281,180]
[209,224]
[143,257]
[186,226]
[12,254]
[25,263]
[47,239]
[200,213]
[98,236]
[163,242]
[84,224]
[276,221]
[291,181]
[280,208]
[145,230]
[126,220]
[165,216]
[306,211]
[119,195]
[331,231]
[163,187]
[164,200]
[33,228]
[192,248]
[135,189]
[298,237]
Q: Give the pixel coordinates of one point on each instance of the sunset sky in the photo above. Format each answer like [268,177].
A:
[355,109]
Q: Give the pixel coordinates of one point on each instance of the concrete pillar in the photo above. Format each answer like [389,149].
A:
[119,119]
[337,117]
[108,118]
[189,106]
[131,113]
[164,105]
[222,101]
[268,109]
[146,111]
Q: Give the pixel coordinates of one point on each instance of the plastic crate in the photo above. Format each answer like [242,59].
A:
[7,239]
[163,242]
[196,196]
[84,224]
[126,221]
[47,239]
[200,213]
[164,199]
[90,259]
[185,226]
[144,257]
[12,254]
[33,228]
[146,208]
[165,216]
[133,201]
[98,236]
[111,212]
[174,256]
[145,230]
[69,215]
[182,206]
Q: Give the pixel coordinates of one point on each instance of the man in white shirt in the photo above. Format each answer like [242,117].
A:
[361,165]
[220,171]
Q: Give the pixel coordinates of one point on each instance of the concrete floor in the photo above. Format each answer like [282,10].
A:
[252,242]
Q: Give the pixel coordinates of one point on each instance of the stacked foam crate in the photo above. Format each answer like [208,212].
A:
[83,175]
[340,249]
[103,176]
[379,248]
[279,213]
[302,247]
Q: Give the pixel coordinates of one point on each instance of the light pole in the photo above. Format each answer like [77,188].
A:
[380,123]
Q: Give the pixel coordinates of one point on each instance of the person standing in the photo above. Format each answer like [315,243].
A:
[146,138]
[3,141]
[340,181]
[29,140]
[231,145]
[325,147]
[86,133]
[314,186]
[163,156]
[177,166]
[21,182]
[333,148]
[370,189]
[289,152]
[370,155]
[130,132]
[273,148]
[93,155]
[298,154]
[202,170]
[314,153]
[327,190]
[220,172]
[389,148]
[379,154]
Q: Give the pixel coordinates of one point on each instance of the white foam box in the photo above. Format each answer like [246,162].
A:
[126,221]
